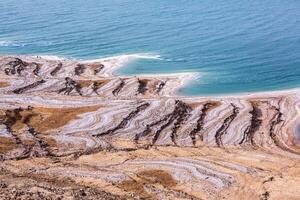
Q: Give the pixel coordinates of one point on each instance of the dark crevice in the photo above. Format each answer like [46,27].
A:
[223,129]
[28,87]
[79,69]
[277,119]
[70,85]
[96,85]
[179,114]
[116,91]
[160,86]
[16,67]
[125,121]
[36,69]
[40,148]
[148,128]
[10,118]
[86,152]
[56,69]
[269,180]
[182,114]
[256,122]
[142,86]
[265,196]
[98,69]
[200,122]
[110,148]
[16,62]
[37,149]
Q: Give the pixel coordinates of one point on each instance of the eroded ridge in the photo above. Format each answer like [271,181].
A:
[126,120]
[254,125]
[200,122]
[133,138]
[222,130]
[27,73]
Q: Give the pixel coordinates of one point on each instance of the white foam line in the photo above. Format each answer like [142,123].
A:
[126,58]
[9,43]
[116,62]
[4,43]
[121,58]
[50,57]
[113,63]
[183,77]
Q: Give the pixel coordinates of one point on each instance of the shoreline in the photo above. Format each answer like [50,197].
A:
[185,77]
[172,82]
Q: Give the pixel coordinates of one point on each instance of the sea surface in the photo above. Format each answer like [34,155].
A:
[235,46]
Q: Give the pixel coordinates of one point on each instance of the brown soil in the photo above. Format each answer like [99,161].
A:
[158,176]
[148,177]
[4,84]
[51,118]
[44,119]
[87,83]
[7,144]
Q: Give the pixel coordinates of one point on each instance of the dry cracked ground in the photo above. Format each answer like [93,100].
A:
[73,130]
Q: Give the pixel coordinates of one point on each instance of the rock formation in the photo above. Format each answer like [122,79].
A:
[75,130]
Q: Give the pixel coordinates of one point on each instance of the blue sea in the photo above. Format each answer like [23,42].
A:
[235,46]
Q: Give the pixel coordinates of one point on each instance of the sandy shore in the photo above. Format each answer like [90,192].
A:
[74,130]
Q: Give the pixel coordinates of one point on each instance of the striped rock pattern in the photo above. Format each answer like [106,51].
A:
[72,129]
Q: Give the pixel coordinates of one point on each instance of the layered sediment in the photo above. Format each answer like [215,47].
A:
[71,129]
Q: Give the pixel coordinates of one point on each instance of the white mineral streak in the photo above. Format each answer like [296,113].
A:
[121,133]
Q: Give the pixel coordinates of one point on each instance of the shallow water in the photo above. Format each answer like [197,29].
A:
[236,46]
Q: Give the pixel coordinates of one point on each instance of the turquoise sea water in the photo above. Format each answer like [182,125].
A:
[236,46]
